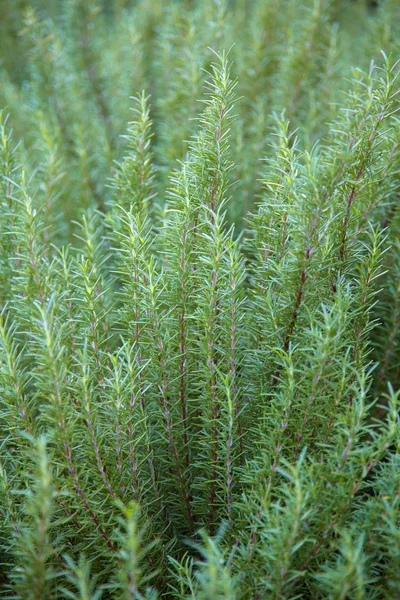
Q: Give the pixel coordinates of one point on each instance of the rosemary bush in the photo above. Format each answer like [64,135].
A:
[199,331]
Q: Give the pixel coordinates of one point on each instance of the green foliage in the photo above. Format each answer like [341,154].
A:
[200,319]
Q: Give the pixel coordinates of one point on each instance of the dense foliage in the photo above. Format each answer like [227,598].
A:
[199,330]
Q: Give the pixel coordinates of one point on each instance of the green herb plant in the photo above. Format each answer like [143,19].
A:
[199,331]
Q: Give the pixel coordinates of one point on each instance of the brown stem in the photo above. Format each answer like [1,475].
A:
[165,402]
[182,349]
[214,403]
[233,367]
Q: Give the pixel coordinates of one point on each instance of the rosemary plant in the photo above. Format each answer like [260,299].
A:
[199,330]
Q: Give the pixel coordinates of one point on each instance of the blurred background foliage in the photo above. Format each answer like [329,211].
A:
[69,67]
